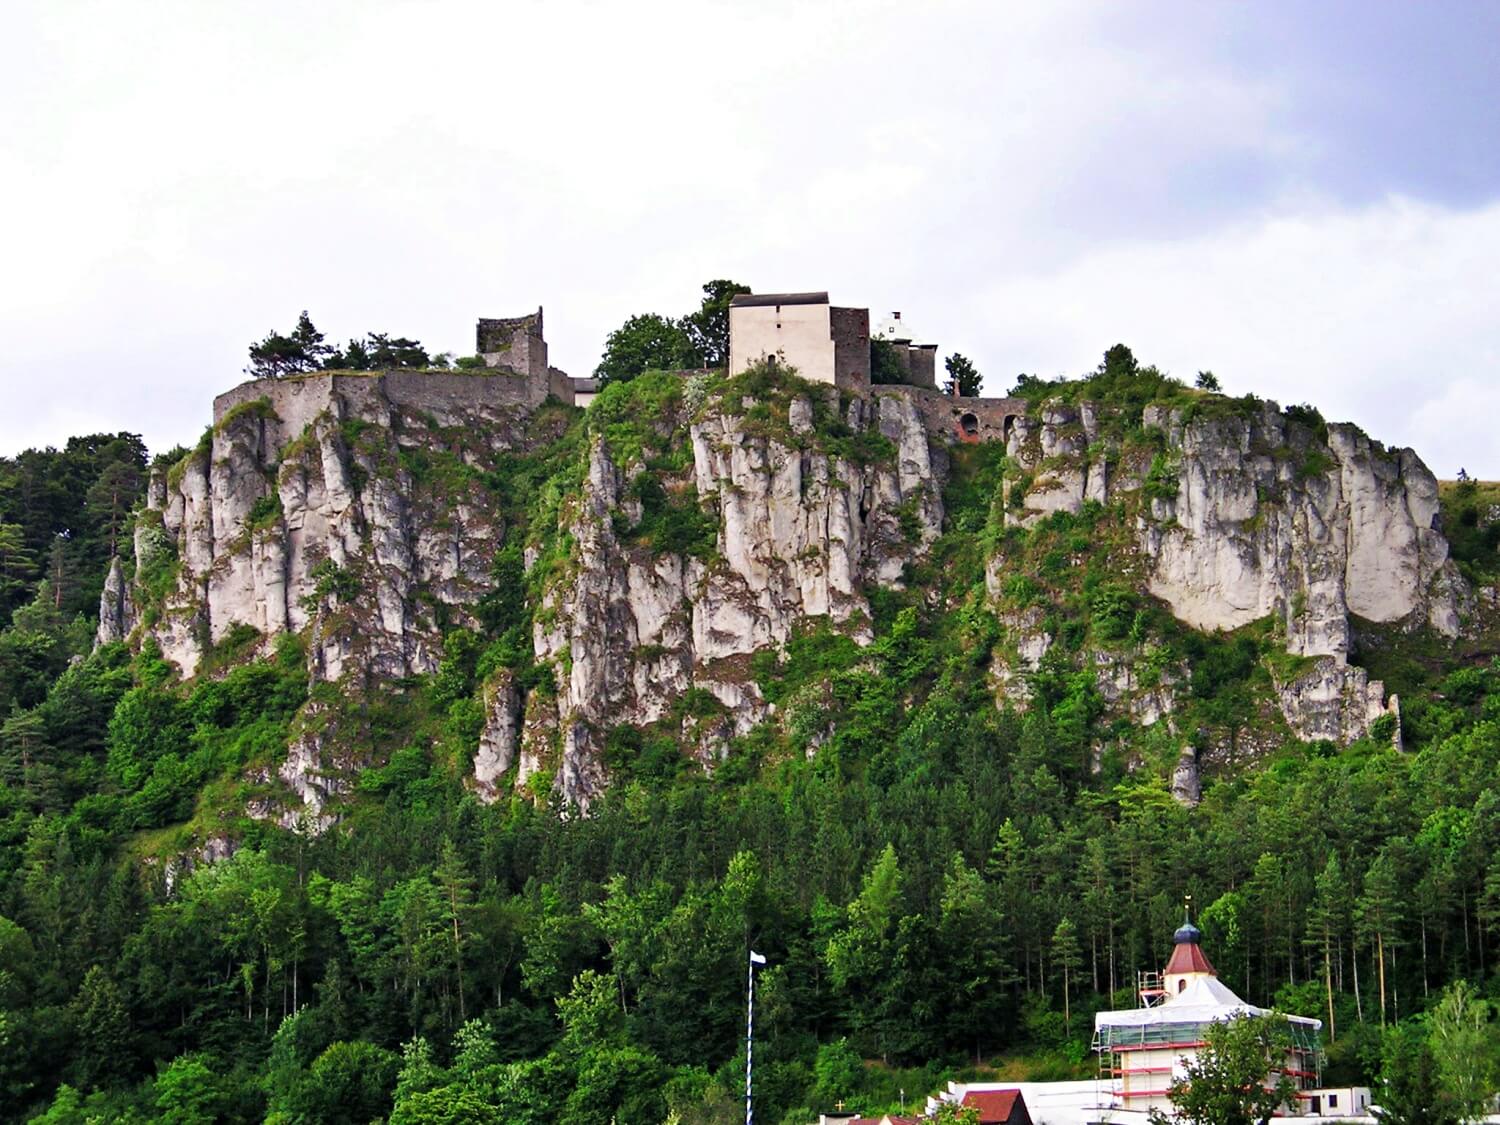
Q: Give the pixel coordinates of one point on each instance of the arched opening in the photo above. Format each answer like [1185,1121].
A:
[969,423]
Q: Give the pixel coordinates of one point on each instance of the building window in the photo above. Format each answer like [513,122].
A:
[1181,985]
[970,424]
[1333,1101]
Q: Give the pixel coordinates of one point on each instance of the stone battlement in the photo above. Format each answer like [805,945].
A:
[297,399]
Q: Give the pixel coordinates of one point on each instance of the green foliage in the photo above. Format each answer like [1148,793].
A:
[1161,481]
[935,881]
[333,581]
[1309,416]
[379,351]
[707,329]
[1462,1036]
[671,523]
[63,515]
[298,351]
[1469,510]
[1236,1079]
[886,367]
[814,652]
[1409,1090]
[265,512]
[646,342]
[1119,381]
[964,378]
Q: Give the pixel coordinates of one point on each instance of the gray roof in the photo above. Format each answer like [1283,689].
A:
[750,299]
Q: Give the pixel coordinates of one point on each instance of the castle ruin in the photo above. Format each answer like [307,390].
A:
[829,344]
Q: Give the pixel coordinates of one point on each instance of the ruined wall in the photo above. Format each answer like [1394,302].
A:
[850,329]
[515,342]
[921,366]
[297,400]
[951,418]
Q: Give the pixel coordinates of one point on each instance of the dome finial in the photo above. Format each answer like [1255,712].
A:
[1187,933]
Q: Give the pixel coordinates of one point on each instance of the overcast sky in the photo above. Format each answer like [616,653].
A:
[1302,197]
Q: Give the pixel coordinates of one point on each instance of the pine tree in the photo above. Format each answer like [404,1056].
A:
[1378,915]
[457,885]
[1327,921]
[277,355]
[1067,957]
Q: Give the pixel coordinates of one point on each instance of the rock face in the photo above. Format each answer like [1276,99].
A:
[116,607]
[1249,514]
[802,534]
[363,513]
[331,515]
[343,508]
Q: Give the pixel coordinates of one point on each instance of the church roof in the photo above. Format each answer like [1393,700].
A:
[1204,1000]
[1188,957]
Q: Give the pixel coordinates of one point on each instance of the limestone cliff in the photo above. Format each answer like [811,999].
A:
[1240,512]
[801,533]
[670,535]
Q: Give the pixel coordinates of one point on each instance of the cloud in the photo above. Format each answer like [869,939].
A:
[183,178]
[1382,315]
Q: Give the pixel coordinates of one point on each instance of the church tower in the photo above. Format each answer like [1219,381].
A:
[1188,962]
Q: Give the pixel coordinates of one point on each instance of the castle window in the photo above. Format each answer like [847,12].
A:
[969,423]
[1181,985]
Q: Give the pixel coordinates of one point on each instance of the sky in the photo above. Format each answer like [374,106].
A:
[1303,198]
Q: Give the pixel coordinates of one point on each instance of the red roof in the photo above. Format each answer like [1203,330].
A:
[1188,957]
[997,1107]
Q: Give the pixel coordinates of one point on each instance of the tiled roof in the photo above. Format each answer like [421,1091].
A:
[1188,957]
[994,1106]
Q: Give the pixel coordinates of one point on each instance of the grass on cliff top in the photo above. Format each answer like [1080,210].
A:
[1125,388]
[1471,521]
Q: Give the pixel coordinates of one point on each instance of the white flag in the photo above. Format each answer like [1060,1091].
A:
[757,958]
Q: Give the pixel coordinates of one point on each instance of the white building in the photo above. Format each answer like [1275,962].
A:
[826,344]
[1143,1050]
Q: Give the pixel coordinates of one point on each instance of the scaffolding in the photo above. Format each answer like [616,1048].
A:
[1150,987]
[1165,1036]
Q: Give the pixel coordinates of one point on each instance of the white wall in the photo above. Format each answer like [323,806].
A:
[798,335]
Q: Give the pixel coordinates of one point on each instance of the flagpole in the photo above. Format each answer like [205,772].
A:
[755,959]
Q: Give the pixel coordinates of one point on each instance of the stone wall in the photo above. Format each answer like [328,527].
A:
[962,419]
[921,366]
[297,400]
[516,342]
[850,329]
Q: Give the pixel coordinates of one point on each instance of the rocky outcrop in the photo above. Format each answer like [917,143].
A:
[802,533]
[1246,513]
[329,527]
[363,513]
[343,508]
[116,607]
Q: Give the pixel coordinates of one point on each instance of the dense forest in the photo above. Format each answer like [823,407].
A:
[941,888]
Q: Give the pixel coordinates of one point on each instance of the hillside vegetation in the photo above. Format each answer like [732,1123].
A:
[937,867]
